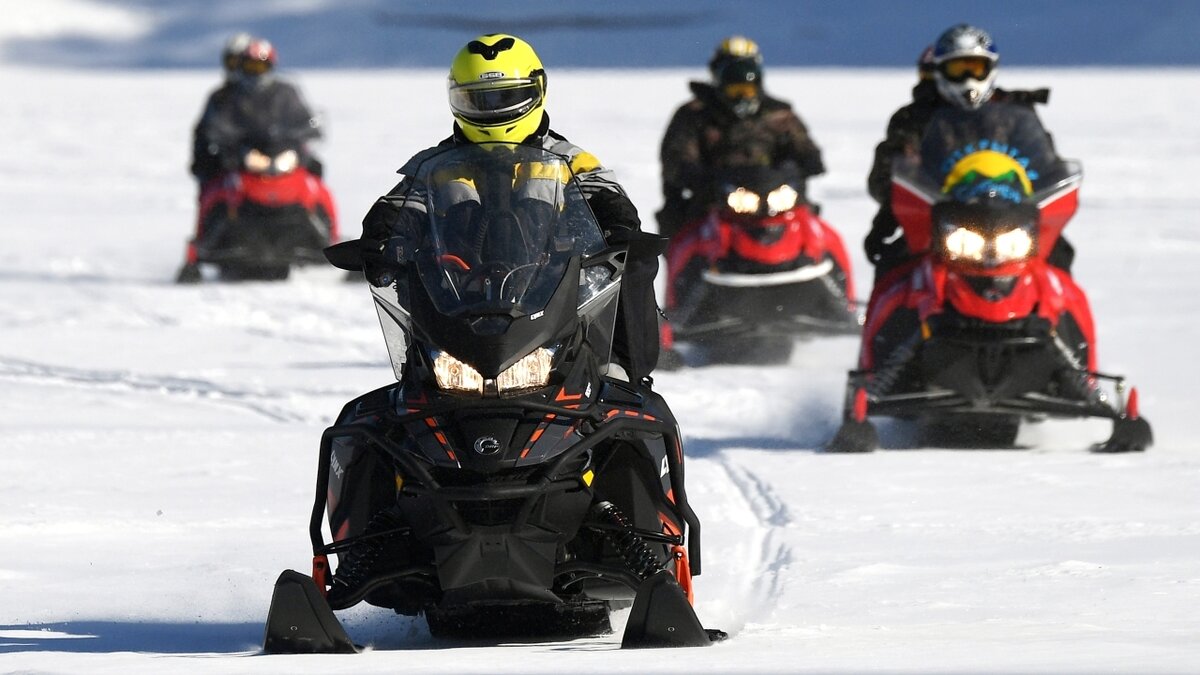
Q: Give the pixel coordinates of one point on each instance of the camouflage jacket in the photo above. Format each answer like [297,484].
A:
[704,137]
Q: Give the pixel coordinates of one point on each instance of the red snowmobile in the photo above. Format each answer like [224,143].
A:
[978,331]
[760,269]
[506,485]
[259,220]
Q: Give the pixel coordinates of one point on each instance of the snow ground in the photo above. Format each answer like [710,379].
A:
[160,441]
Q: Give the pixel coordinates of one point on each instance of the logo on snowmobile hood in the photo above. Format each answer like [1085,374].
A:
[487,445]
[987,172]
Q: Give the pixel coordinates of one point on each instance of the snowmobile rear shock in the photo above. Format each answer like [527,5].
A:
[638,556]
[885,378]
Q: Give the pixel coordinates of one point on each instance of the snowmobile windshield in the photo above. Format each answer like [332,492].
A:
[504,223]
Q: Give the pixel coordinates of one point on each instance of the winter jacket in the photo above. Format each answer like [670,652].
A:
[270,117]
[402,211]
[705,137]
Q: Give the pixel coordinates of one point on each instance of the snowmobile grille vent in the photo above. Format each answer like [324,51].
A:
[288,213]
[466,478]
[992,289]
[955,325]
[485,513]
[767,234]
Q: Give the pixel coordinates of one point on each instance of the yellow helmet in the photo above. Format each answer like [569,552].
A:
[497,89]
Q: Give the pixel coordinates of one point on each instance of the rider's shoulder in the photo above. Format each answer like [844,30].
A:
[410,167]
[581,160]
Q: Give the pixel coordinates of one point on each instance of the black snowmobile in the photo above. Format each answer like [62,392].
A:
[508,485]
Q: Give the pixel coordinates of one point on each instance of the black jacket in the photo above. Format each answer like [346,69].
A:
[269,117]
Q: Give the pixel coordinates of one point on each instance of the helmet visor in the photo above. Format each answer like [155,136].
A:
[490,103]
[740,90]
[958,70]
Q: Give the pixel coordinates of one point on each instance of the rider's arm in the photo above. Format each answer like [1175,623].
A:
[680,154]
[801,147]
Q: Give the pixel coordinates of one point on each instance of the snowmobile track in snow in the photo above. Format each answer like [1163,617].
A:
[258,402]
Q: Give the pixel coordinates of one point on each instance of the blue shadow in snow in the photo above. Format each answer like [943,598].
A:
[103,637]
[708,447]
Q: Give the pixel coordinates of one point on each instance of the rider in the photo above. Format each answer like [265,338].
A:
[497,90]
[205,162]
[253,103]
[957,72]
[730,122]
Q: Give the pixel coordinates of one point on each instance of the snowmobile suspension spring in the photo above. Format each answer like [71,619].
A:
[886,377]
[638,556]
[1078,380]
[361,558]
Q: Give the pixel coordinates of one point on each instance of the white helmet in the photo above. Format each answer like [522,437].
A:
[965,58]
[231,53]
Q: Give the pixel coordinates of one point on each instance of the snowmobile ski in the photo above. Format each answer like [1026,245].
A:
[301,622]
[662,617]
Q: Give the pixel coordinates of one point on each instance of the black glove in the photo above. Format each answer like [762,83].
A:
[873,246]
[376,266]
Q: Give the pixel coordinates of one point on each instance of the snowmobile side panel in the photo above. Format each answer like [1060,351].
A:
[301,622]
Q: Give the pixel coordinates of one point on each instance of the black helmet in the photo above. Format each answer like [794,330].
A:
[736,68]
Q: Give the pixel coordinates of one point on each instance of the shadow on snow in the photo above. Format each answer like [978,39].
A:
[102,637]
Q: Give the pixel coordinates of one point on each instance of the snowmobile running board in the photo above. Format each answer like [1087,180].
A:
[300,620]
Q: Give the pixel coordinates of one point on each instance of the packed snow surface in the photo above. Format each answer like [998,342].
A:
[159,441]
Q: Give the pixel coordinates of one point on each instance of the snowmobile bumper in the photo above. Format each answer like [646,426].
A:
[267,236]
[300,621]
[731,305]
[1131,432]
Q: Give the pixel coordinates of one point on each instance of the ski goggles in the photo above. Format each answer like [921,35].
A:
[491,103]
[740,90]
[958,70]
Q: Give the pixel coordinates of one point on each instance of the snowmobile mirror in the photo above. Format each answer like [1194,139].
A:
[613,257]
[347,255]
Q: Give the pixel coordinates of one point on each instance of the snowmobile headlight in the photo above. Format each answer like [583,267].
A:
[528,373]
[531,372]
[782,199]
[1013,245]
[256,162]
[961,243]
[742,200]
[286,161]
[454,375]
